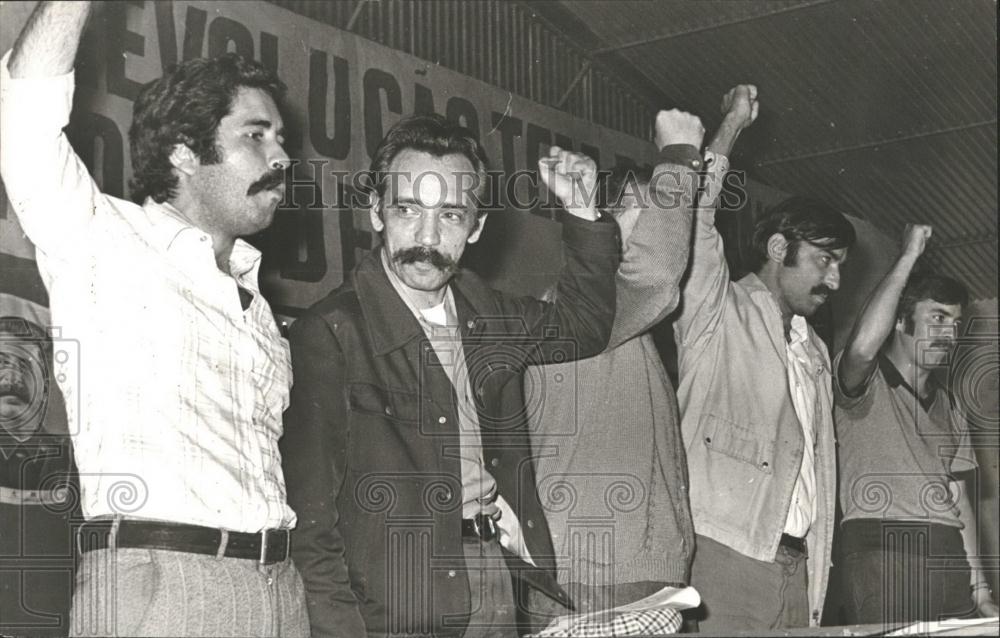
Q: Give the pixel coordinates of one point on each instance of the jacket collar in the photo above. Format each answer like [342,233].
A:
[760,292]
[390,321]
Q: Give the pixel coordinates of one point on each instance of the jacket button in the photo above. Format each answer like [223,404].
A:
[470,324]
[442,420]
[531,524]
[494,461]
[388,410]
[708,439]
[764,464]
[451,573]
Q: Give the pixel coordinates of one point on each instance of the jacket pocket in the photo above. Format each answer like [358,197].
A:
[402,407]
[742,442]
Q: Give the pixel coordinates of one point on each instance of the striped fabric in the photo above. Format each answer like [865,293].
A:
[174,394]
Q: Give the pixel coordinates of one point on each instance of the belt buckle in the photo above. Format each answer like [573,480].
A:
[263,546]
[484,526]
[264,535]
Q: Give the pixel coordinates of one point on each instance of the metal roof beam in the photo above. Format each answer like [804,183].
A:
[710,27]
[874,144]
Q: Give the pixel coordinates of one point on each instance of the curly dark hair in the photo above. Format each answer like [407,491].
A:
[801,219]
[185,106]
[431,134]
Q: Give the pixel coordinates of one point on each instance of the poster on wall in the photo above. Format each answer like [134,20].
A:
[344,93]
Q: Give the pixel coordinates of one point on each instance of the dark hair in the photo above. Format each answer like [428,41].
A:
[185,106]
[801,219]
[431,134]
[623,179]
[928,285]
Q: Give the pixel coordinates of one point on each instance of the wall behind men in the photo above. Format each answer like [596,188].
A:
[345,92]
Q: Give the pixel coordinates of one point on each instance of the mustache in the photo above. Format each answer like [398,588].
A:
[269,181]
[821,289]
[12,383]
[414,254]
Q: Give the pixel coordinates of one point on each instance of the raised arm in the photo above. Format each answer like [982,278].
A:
[47,184]
[877,318]
[708,277]
[584,306]
[656,234]
[47,45]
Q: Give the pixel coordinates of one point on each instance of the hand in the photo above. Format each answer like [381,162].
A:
[983,599]
[740,106]
[915,239]
[572,178]
[677,127]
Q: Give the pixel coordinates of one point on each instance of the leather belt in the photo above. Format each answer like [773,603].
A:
[267,547]
[482,527]
[794,543]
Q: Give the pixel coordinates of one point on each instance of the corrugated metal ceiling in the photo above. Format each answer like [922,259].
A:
[885,109]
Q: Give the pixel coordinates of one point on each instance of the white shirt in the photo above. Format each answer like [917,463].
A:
[174,394]
[802,371]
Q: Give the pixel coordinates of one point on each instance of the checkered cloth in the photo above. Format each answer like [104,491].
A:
[647,622]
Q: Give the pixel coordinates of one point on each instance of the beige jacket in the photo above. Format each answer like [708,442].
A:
[741,433]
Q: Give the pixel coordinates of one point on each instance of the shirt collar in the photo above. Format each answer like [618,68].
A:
[167,225]
[799,331]
[449,299]
[389,318]
[895,379]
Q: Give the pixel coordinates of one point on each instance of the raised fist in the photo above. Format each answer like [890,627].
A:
[915,239]
[740,105]
[572,178]
[678,127]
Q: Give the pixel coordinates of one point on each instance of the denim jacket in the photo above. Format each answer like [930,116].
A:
[741,433]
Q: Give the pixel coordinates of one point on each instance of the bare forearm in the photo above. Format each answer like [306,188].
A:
[970,531]
[875,323]
[725,137]
[47,45]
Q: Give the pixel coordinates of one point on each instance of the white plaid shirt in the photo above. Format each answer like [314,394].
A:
[174,394]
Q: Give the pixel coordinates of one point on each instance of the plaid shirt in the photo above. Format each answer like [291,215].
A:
[646,622]
[174,393]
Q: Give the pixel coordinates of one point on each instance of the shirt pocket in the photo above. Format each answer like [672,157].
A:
[743,442]
[396,406]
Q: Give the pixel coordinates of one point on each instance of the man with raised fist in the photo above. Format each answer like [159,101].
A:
[406,447]
[174,404]
[909,539]
[606,430]
[756,406]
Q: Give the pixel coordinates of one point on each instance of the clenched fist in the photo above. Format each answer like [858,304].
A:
[915,239]
[740,105]
[572,178]
[678,127]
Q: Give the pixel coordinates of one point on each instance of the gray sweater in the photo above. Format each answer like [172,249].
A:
[611,468]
